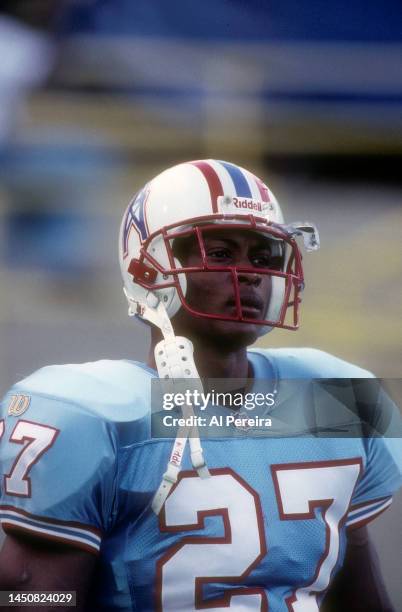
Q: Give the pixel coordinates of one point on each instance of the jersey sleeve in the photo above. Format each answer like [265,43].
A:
[58,466]
[382,475]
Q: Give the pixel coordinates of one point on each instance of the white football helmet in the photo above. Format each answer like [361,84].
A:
[193,198]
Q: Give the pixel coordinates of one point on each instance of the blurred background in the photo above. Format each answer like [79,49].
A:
[97,96]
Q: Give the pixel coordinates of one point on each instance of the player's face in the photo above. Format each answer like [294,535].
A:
[214,293]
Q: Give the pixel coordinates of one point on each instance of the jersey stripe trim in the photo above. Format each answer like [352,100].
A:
[364,513]
[83,537]
[213,180]
[53,521]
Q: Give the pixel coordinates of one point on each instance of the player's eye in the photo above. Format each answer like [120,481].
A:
[218,254]
[266,260]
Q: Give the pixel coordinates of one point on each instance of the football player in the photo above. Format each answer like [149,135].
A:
[101,495]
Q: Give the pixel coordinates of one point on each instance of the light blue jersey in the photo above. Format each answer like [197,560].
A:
[266,530]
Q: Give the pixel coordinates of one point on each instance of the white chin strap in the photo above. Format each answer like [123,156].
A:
[175,362]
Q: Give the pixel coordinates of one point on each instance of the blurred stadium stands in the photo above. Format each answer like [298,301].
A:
[115,91]
[96,96]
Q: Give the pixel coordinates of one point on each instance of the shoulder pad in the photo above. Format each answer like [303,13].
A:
[309,363]
[117,390]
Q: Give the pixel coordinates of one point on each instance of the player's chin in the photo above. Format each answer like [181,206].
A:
[236,334]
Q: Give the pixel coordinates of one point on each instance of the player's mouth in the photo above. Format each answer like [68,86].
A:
[251,306]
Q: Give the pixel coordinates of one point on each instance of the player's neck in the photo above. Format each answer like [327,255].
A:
[212,362]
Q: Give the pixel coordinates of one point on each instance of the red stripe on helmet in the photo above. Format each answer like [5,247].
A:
[262,189]
[213,180]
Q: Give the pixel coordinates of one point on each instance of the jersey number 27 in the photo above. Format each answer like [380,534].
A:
[196,561]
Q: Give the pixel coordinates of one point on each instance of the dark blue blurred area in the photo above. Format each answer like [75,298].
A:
[340,59]
[54,241]
[242,20]
[48,223]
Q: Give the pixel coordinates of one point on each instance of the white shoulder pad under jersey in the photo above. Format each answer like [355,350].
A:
[60,431]
[302,363]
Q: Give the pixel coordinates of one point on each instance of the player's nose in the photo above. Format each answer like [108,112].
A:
[249,278]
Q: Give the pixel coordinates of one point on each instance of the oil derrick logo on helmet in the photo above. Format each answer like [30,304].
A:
[191,200]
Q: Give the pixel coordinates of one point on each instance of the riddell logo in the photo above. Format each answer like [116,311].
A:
[248,203]
[231,205]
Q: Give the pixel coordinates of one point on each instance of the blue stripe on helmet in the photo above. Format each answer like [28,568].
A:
[138,213]
[240,182]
